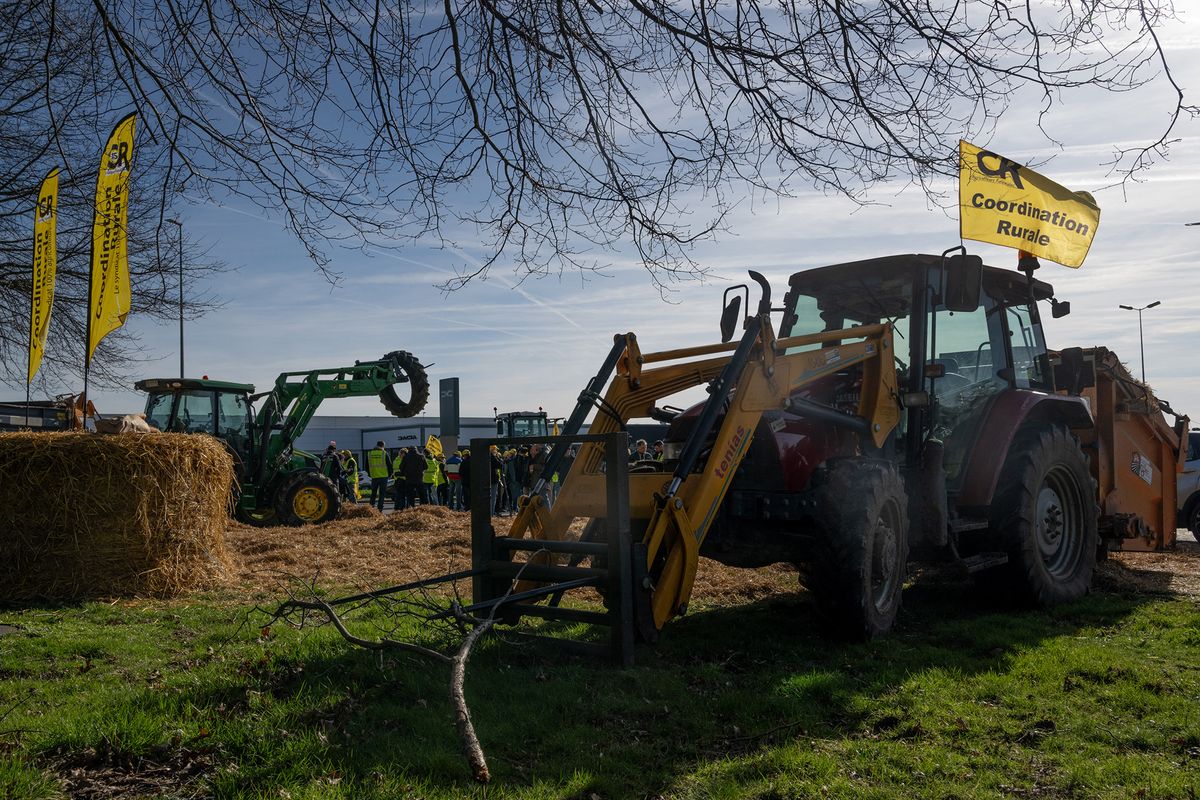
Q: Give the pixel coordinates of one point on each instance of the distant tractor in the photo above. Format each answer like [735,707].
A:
[277,483]
[514,424]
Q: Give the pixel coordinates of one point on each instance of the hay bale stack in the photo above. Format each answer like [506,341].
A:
[83,515]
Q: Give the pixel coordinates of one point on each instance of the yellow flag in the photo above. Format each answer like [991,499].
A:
[433,446]
[45,264]
[1005,203]
[109,297]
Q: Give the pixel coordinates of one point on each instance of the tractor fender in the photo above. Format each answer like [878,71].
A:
[1012,410]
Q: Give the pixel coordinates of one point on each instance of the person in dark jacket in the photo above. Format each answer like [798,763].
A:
[512,480]
[412,466]
[495,468]
[464,477]
[538,454]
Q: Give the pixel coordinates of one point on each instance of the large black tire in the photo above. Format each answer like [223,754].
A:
[1193,521]
[858,573]
[1044,517]
[308,498]
[259,518]
[418,383]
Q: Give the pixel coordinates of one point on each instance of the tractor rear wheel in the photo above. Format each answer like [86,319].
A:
[418,386]
[1044,515]
[858,573]
[309,498]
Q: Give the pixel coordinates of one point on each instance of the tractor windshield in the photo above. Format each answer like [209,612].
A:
[834,298]
[158,410]
[180,412]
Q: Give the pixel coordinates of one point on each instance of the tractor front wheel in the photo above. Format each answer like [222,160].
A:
[1044,515]
[858,573]
[307,499]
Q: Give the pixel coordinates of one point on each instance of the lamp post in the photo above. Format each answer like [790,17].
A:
[179,225]
[1141,345]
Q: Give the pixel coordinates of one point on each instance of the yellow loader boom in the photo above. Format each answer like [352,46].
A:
[672,513]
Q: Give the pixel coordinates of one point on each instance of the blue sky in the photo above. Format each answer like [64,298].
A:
[521,344]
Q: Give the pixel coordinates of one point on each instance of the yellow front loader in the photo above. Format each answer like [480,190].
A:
[673,504]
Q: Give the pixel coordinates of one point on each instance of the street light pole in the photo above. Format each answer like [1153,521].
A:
[1141,341]
[179,225]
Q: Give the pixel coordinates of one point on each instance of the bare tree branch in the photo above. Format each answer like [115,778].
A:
[550,133]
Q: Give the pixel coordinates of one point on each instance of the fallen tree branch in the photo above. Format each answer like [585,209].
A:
[462,713]
[475,629]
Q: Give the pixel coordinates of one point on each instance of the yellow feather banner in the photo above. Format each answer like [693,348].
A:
[45,265]
[109,296]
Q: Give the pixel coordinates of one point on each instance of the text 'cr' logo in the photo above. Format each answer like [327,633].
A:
[1005,167]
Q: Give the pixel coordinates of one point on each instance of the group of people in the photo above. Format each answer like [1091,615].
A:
[421,476]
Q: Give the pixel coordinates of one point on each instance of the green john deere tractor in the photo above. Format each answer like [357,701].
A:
[279,484]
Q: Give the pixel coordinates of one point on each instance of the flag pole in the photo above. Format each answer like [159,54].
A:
[87,356]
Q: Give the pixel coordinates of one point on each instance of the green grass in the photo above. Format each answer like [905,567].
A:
[1098,699]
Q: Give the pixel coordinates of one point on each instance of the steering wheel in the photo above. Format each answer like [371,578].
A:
[958,387]
[955,382]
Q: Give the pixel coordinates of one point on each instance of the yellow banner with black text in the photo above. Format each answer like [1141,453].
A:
[45,265]
[110,300]
[1002,202]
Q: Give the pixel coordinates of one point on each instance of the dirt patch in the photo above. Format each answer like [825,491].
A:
[1175,572]
[105,774]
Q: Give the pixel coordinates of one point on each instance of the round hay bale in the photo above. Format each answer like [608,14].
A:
[83,515]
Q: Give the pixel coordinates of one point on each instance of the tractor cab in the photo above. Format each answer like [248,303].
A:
[964,333]
[513,424]
[218,408]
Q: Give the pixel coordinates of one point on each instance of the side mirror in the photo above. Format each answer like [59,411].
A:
[964,281]
[1073,373]
[1059,308]
[730,317]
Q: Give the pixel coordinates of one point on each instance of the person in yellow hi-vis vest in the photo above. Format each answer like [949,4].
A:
[431,479]
[378,468]
[350,470]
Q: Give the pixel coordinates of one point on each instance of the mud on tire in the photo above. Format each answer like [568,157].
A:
[858,572]
[1044,517]
[418,383]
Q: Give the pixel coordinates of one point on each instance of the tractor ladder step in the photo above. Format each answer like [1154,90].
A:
[982,561]
[961,525]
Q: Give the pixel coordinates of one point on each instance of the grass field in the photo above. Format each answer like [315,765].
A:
[1098,699]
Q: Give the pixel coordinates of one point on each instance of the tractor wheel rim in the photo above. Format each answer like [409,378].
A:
[1057,523]
[884,564]
[310,504]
